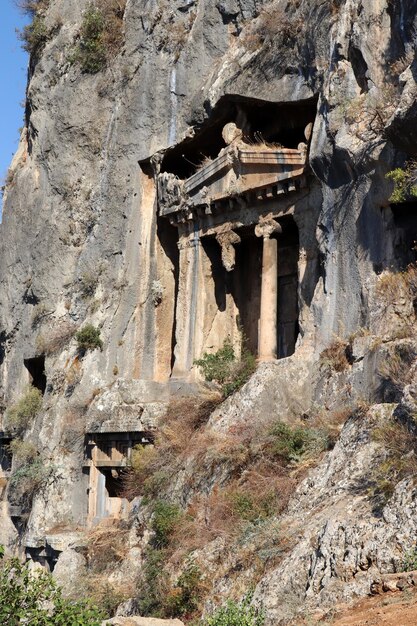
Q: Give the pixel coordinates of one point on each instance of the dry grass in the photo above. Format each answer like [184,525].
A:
[396,371]
[107,545]
[337,355]
[274,22]
[400,460]
[57,338]
[393,287]
[179,437]
[113,11]
[398,66]
[32,7]
[234,486]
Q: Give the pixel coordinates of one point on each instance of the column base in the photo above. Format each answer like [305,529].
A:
[266,359]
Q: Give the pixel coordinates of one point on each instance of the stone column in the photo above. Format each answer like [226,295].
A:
[187,303]
[267,344]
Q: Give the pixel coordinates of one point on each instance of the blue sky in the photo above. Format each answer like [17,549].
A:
[13,64]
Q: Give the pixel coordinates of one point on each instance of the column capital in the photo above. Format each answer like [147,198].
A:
[227,240]
[266,227]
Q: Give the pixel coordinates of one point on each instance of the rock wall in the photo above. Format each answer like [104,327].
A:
[80,243]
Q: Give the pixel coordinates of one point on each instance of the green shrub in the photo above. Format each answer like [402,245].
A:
[88,338]
[154,586]
[21,414]
[101,35]
[292,444]
[404,180]
[183,599]
[91,53]
[27,479]
[29,599]
[410,560]
[165,517]
[34,36]
[224,368]
[236,614]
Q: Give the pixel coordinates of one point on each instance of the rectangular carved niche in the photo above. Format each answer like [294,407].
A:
[107,460]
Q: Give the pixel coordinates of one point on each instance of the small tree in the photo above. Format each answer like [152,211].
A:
[88,338]
[26,598]
[226,369]
[405,182]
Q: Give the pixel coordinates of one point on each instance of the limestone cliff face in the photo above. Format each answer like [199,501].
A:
[82,241]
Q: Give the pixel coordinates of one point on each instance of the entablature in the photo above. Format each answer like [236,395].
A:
[241,172]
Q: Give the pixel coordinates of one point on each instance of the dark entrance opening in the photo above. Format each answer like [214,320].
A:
[5,454]
[114,481]
[36,369]
[288,252]
[246,285]
[244,282]
[405,221]
[221,278]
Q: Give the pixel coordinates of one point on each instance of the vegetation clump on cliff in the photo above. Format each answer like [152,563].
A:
[34,35]
[101,35]
[20,415]
[405,182]
[226,369]
[258,467]
[26,598]
[88,338]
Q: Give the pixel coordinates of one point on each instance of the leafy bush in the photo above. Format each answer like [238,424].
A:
[27,479]
[91,53]
[101,35]
[88,338]
[29,599]
[183,599]
[34,36]
[292,444]
[237,614]
[19,416]
[405,182]
[224,368]
[410,560]
[165,517]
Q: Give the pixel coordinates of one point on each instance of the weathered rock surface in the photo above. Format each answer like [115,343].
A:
[79,243]
[143,621]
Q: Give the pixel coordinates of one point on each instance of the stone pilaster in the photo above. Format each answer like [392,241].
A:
[187,304]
